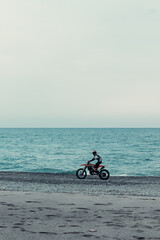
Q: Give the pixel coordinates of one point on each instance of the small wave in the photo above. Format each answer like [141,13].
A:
[51,170]
[122,175]
[148,160]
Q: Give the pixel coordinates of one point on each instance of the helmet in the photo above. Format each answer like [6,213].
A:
[94,152]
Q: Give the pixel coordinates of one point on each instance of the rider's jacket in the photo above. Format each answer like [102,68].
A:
[97,157]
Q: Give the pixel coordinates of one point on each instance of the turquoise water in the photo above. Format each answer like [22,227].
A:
[125,152]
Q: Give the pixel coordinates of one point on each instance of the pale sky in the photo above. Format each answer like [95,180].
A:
[80,63]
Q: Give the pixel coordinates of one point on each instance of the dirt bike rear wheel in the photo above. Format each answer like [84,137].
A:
[81,173]
[104,174]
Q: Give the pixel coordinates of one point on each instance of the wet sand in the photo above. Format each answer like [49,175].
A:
[37,215]
[51,182]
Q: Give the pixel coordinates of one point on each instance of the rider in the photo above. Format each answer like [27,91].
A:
[96,157]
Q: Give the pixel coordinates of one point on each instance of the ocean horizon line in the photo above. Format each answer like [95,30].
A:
[79,127]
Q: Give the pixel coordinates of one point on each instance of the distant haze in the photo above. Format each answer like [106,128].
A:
[80,63]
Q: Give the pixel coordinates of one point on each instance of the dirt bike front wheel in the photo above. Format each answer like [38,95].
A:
[104,174]
[81,173]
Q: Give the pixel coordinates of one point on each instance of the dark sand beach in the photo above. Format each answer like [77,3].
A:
[59,206]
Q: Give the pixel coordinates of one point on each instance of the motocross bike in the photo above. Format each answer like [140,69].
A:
[103,173]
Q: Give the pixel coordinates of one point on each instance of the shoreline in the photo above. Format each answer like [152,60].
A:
[51,182]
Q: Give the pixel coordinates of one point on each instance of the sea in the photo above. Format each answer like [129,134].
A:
[125,151]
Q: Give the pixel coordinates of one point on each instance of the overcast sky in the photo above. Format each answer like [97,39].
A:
[80,63]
